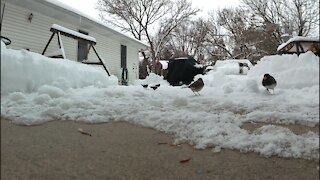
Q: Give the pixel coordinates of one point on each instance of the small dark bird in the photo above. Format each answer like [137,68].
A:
[144,85]
[155,86]
[269,82]
[196,86]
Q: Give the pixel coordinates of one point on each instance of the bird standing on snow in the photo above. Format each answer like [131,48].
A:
[155,86]
[269,82]
[196,86]
[144,85]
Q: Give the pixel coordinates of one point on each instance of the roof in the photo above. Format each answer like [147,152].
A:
[300,39]
[182,58]
[53,9]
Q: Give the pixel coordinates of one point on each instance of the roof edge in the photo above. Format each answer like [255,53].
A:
[93,20]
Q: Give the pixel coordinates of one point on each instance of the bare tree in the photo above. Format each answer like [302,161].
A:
[132,15]
[250,37]
[234,20]
[307,16]
[199,32]
[199,38]
[298,17]
[221,29]
[188,37]
[141,17]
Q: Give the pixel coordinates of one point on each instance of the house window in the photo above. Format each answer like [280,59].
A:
[82,48]
[123,56]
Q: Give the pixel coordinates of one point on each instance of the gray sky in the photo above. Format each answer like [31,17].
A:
[87,6]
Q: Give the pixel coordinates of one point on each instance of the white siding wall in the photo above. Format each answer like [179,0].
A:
[108,50]
[132,64]
[36,34]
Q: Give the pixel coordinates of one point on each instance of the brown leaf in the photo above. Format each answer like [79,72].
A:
[159,143]
[176,145]
[185,160]
[83,132]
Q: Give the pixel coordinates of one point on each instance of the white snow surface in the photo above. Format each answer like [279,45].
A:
[36,89]
[231,66]
[164,64]
[77,34]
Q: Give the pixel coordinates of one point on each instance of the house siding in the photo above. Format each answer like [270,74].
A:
[132,65]
[34,36]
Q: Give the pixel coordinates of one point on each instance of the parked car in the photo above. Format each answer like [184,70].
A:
[233,66]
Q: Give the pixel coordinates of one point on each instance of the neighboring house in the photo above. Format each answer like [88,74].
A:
[27,24]
[299,44]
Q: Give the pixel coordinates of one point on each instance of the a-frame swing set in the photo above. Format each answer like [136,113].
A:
[59,30]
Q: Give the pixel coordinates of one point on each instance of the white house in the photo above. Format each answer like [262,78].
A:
[27,24]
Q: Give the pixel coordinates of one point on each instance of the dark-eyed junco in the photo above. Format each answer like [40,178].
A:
[196,86]
[144,85]
[155,86]
[269,82]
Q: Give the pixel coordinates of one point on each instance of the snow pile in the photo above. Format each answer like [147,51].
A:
[25,71]
[231,66]
[290,71]
[36,89]
[151,80]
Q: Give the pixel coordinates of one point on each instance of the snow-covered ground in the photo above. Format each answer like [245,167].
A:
[36,89]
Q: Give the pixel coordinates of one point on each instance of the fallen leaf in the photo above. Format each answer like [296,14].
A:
[185,160]
[176,145]
[162,143]
[83,132]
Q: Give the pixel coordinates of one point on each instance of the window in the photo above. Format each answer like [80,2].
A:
[82,48]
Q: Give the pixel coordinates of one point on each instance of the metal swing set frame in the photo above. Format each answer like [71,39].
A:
[59,32]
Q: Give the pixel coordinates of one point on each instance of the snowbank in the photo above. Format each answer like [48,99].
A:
[291,71]
[26,71]
[36,89]
[231,66]
[151,80]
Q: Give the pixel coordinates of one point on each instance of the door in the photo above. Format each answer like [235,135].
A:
[124,75]
[123,56]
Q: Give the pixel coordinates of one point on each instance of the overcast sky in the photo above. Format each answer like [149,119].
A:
[87,6]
